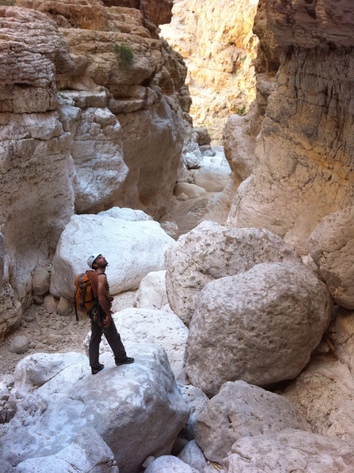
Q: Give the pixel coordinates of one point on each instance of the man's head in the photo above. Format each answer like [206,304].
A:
[92,259]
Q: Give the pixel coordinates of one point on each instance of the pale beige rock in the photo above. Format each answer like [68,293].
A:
[331,246]
[312,24]
[323,393]
[28,68]
[291,450]
[259,326]
[242,410]
[304,171]
[239,137]
[62,148]
[19,344]
[189,189]
[65,306]
[211,251]
[152,291]
[50,303]
[217,42]
[40,281]
[35,148]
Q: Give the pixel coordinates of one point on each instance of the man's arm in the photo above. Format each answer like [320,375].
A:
[102,298]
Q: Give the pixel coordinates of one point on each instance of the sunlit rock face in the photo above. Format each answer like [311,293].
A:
[216,40]
[303,156]
[93,112]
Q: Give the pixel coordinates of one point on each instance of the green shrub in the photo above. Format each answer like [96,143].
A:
[124,53]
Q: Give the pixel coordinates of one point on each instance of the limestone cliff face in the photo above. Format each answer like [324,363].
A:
[93,111]
[304,154]
[216,40]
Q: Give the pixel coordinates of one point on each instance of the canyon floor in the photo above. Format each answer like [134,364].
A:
[53,333]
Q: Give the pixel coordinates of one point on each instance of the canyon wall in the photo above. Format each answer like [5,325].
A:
[302,166]
[216,40]
[93,113]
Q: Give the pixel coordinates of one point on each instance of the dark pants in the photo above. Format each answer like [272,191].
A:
[113,338]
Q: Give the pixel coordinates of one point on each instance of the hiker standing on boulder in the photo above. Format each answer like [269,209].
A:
[101,317]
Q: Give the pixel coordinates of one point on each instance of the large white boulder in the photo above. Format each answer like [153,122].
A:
[242,410]
[152,291]
[290,450]
[331,245]
[211,251]
[137,409]
[259,326]
[87,452]
[132,244]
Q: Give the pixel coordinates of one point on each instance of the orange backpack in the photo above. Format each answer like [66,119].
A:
[84,298]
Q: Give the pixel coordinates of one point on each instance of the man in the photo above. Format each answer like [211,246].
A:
[103,323]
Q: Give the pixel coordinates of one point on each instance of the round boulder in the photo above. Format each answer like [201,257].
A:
[212,251]
[259,326]
[331,246]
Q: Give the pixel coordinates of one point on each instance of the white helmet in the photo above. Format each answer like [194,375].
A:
[91,259]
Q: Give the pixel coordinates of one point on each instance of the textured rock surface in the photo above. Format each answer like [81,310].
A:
[57,396]
[217,42]
[196,401]
[238,135]
[134,245]
[242,410]
[211,251]
[331,246]
[304,157]
[263,335]
[87,452]
[290,451]
[82,129]
[193,456]
[323,392]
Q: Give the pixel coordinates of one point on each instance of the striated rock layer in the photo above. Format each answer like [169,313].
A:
[215,38]
[93,113]
[303,155]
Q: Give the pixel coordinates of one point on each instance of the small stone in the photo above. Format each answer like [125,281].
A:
[19,345]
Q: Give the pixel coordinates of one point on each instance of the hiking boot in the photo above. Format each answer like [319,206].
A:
[96,370]
[126,361]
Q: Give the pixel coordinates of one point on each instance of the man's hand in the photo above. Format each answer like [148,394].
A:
[107,320]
